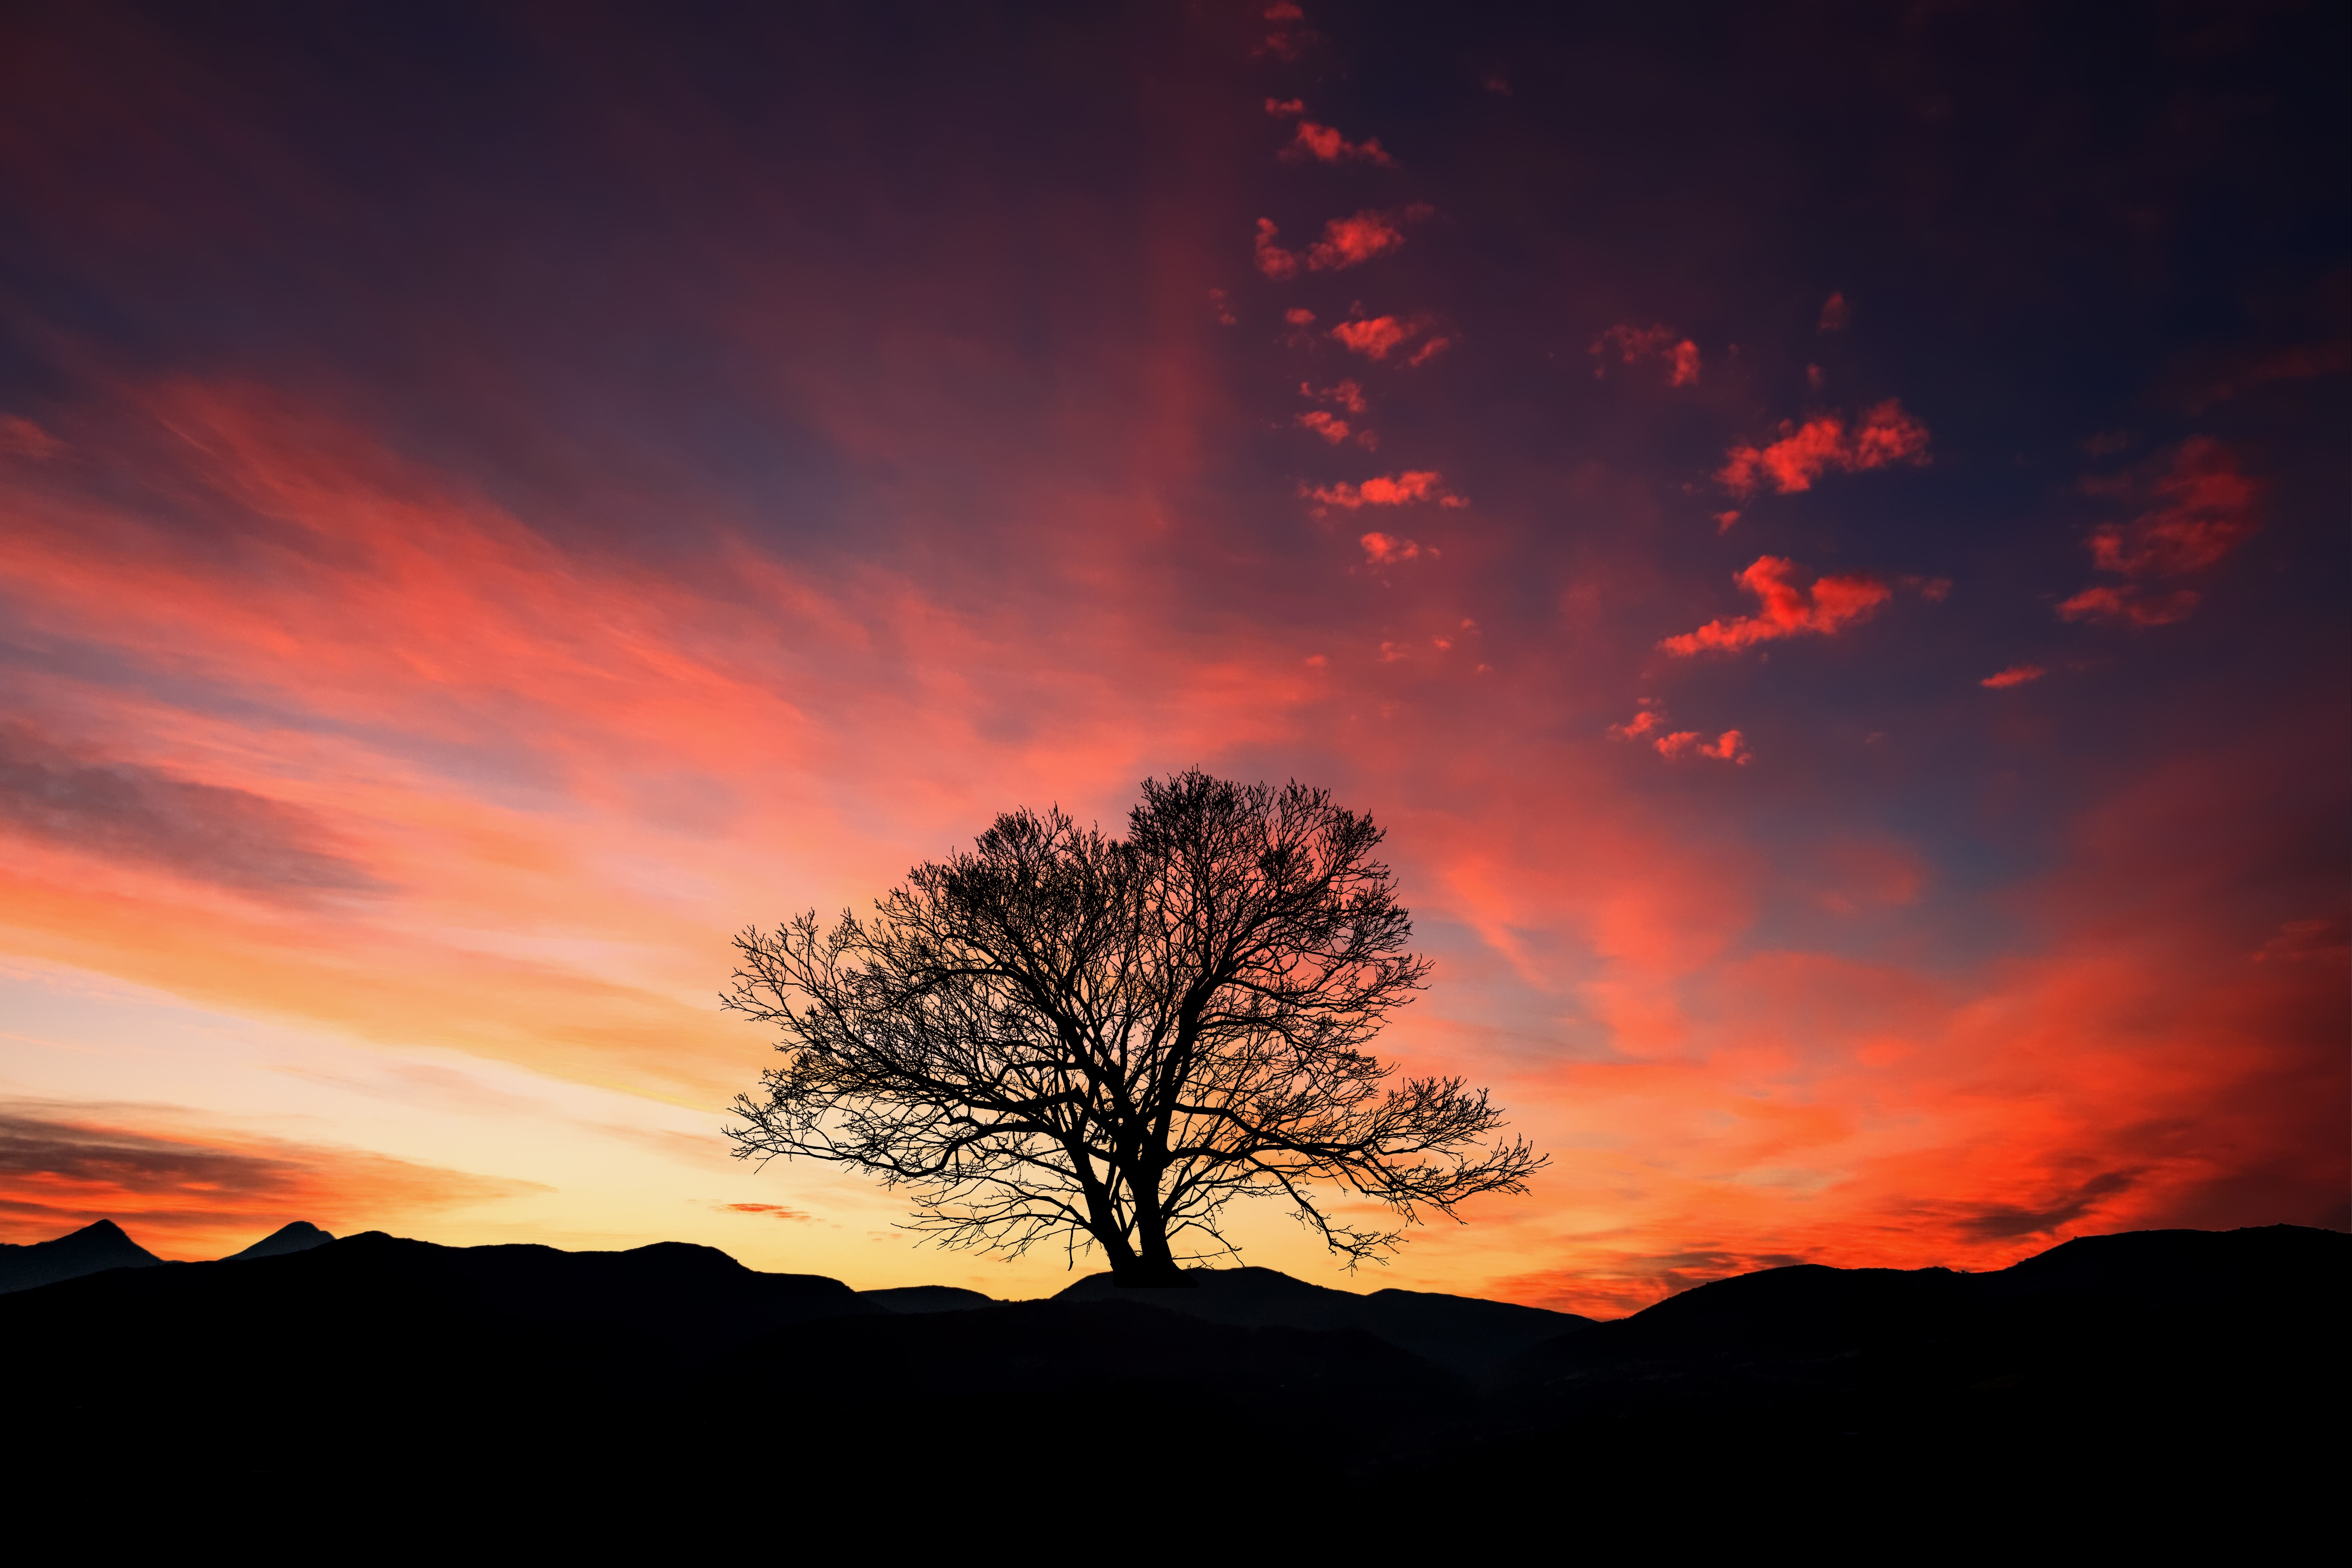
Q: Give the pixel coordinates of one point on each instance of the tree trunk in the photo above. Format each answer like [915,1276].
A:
[1154,1266]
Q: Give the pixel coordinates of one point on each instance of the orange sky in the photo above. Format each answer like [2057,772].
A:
[463,559]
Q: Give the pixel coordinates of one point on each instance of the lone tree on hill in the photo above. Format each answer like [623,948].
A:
[1065,1035]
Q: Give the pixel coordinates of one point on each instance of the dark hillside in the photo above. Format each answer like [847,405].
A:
[927,1299]
[92,1249]
[404,1320]
[1158,1384]
[2161,1366]
[1461,1332]
[300,1236]
[2156,1363]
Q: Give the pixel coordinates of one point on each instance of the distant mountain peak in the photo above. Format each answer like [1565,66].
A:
[95,1248]
[301,1236]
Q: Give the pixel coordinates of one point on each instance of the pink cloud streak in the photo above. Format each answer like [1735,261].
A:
[1829,606]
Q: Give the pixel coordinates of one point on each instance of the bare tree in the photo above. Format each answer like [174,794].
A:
[1069,1037]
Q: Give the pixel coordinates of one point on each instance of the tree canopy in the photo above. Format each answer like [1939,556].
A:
[1064,1035]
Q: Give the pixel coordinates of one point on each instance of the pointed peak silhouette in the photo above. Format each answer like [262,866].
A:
[299,1237]
[94,1248]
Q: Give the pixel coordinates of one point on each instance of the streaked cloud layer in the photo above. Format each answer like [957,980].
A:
[1855,685]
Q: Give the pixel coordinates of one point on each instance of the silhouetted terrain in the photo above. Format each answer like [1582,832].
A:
[1460,1332]
[2153,1360]
[300,1236]
[91,1250]
[100,1245]
[928,1298]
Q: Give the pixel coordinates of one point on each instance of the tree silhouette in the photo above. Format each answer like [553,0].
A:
[1065,1035]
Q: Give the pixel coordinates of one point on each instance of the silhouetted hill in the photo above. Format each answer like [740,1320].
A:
[300,1236]
[2148,1364]
[490,1329]
[927,1299]
[1461,1333]
[92,1249]
[997,1379]
[2139,1367]
[1789,1319]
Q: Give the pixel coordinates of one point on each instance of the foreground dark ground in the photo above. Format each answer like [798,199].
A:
[2146,1383]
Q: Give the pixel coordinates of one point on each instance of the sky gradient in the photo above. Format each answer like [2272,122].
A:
[1820,535]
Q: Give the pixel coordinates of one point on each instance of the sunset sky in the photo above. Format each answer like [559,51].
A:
[1819,532]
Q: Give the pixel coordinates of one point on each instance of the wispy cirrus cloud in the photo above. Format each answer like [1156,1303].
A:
[20,438]
[111,808]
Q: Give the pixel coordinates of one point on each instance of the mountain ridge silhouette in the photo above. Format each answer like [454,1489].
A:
[299,1237]
[1464,1333]
[94,1248]
[2148,1361]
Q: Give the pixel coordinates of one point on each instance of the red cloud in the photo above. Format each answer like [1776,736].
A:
[1421,484]
[1326,145]
[1388,550]
[2131,605]
[1375,338]
[1345,242]
[1725,748]
[1349,395]
[1279,107]
[1380,336]
[2207,509]
[2204,508]
[1728,747]
[1331,428]
[1634,345]
[776,1211]
[1833,313]
[1639,725]
[1789,611]
[1272,260]
[1285,42]
[1352,241]
[2015,675]
[1886,435]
